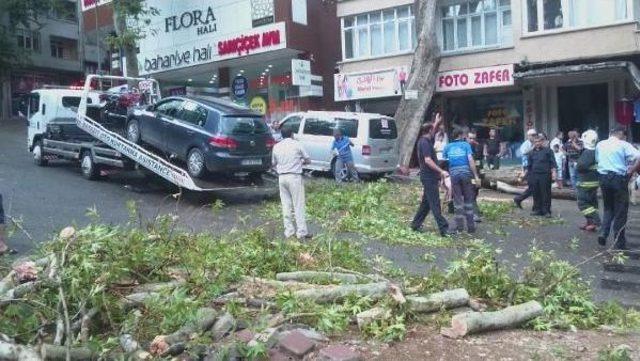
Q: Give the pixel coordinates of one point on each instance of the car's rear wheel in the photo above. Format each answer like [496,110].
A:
[133,131]
[196,164]
[89,168]
[38,154]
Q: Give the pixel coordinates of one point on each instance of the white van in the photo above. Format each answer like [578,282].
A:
[374,137]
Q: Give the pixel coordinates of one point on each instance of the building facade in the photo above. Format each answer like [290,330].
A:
[276,56]
[53,57]
[509,64]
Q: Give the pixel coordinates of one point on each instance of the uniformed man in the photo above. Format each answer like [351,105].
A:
[613,157]
[541,167]
[587,182]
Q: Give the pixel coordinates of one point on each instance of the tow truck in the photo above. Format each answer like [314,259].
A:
[79,124]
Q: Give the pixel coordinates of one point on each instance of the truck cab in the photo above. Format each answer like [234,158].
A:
[57,108]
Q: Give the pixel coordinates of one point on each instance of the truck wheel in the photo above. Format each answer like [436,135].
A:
[38,154]
[195,163]
[89,168]
[133,131]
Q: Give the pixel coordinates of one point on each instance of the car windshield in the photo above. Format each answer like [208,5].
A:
[384,128]
[244,125]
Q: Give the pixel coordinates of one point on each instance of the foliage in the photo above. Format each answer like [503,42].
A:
[137,15]
[619,353]
[494,211]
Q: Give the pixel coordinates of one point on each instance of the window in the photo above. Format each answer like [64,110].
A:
[378,33]
[544,15]
[349,127]
[28,39]
[476,24]
[292,123]
[73,102]
[34,104]
[384,128]
[57,49]
[244,125]
[314,126]
[169,107]
[192,113]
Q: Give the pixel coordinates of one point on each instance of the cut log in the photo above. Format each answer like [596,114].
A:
[59,353]
[19,291]
[437,301]
[8,282]
[157,287]
[12,352]
[334,293]
[317,277]
[205,318]
[137,299]
[367,317]
[222,327]
[564,193]
[473,322]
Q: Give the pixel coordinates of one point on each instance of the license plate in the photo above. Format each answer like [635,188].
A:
[386,150]
[251,162]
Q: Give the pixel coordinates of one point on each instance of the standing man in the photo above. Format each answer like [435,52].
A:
[613,155]
[542,172]
[492,150]
[587,186]
[558,140]
[288,158]
[342,145]
[463,171]
[525,149]
[572,149]
[430,174]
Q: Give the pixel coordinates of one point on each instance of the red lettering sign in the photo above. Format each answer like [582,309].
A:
[477,78]
[246,44]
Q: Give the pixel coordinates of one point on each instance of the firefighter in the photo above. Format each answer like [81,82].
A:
[587,182]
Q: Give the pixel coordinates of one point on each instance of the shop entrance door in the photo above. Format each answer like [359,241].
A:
[584,107]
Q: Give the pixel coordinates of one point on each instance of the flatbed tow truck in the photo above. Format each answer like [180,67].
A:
[57,132]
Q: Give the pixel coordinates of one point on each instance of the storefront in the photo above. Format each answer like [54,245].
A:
[244,50]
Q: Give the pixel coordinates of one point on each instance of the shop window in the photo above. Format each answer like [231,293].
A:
[314,126]
[475,24]
[28,39]
[544,15]
[378,33]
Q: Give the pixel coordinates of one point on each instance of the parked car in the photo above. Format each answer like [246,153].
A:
[210,135]
[374,137]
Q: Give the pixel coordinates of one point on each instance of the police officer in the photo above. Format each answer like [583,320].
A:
[613,156]
[542,167]
[587,182]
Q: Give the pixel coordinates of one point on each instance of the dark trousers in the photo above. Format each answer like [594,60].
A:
[493,161]
[615,198]
[541,188]
[588,204]
[430,202]
[527,193]
[1,211]
[464,195]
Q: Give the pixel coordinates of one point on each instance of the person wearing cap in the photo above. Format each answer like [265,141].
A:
[525,149]
[587,182]
[613,157]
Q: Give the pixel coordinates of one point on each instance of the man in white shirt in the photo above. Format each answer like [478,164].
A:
[525,148]
[558,140]
[288,158]
[614,157]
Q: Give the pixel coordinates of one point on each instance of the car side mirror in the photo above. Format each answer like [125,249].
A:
[150,108]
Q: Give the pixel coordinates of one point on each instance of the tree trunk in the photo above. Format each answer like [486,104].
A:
[316,277]
[472,322]
[128,50]
[333,293]
[422,78]
[13,352]
[437,301]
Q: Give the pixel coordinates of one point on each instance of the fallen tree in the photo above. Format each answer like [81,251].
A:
[438,301]
[374,291]
[317,277]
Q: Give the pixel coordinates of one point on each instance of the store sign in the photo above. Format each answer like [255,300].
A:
[379,84]
[476,78]
[262,12]
[90,4]
[259,105]
[193,32]
[300,72]
[240,86]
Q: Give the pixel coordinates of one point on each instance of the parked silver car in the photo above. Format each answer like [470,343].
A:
[374,137]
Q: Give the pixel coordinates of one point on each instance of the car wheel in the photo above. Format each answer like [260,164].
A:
[89,168]
[339,171]
[133,131]
[38,155]
[195,163]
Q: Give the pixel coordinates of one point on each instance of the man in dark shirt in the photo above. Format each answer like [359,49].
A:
[430,174]
[573,148]
[542,172]
[492,150]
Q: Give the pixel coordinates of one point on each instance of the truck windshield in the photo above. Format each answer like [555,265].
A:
[243,125]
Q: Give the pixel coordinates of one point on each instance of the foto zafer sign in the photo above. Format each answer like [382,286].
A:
[475,78]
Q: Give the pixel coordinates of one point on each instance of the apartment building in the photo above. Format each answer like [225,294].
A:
[54,56]
[510,64]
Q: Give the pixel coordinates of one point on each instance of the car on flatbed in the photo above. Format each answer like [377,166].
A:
[209,135]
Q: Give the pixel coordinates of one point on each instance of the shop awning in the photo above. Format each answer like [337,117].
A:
[633,70]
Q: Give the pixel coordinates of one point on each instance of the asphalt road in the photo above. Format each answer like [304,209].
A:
[46,199]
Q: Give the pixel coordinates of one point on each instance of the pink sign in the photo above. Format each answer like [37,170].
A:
[476,78]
